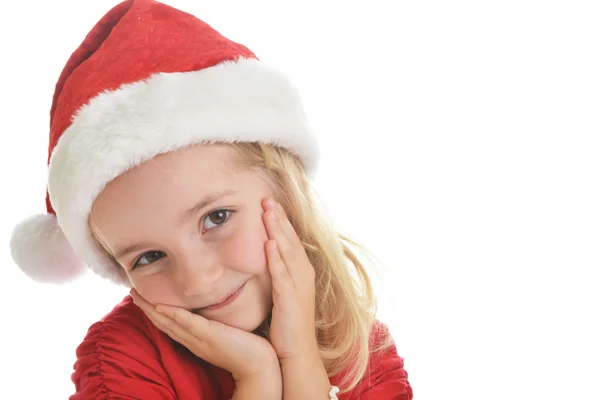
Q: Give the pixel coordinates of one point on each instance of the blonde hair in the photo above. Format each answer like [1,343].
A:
[345,305]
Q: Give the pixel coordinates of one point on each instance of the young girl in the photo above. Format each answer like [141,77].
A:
[180,165]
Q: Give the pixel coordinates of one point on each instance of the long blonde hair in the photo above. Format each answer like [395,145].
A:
[345,302]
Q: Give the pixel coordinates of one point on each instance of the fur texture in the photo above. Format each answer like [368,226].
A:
[117,130]
[41,250]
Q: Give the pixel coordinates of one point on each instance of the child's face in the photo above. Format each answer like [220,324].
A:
[191,260]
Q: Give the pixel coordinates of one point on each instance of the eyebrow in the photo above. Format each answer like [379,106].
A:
[204,202]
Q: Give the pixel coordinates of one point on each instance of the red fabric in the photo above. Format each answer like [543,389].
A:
[385,379]
[125,357]
[134,40]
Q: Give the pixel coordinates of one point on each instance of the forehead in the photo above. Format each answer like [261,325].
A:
[196,164]
[170,182]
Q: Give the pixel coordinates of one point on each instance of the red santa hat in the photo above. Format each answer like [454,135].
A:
[146,80]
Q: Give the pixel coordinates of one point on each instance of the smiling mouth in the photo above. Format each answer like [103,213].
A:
[230,299]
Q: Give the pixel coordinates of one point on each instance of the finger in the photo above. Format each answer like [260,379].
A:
[276,231]
[135,295]
[291,250]
[280,211]
[169,332]
[178,333]
[198,326]
[269,205]
[139,301]
[163,322]
[284,222]
[282,281]
[269,219]
[288,230]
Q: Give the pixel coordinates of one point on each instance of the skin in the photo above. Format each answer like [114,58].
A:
[193,260]
[203,258]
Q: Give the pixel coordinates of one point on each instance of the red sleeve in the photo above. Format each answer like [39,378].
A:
[385,378]
[118,361]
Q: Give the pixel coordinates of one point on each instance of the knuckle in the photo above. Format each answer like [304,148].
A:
[283,245]
[172,335]
[179,318]
[282,274]
[183,320]
[216,328]
[168,325]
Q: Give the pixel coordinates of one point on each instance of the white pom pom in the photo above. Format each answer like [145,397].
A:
[39,247]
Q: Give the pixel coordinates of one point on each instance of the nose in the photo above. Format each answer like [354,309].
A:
[197,272]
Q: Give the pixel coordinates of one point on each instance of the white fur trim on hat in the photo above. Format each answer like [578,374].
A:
[41,250]
[235,101]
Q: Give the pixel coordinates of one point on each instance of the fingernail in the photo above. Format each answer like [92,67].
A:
[273,215]
[271,204]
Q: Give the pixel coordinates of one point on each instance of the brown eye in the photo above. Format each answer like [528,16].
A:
[216,218]
[149,258]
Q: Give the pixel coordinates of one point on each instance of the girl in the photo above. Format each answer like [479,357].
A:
[179,165]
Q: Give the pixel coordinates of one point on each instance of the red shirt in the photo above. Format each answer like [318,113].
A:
[124,356]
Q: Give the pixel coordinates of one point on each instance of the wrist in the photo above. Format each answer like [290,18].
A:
[308,351]
[296,371]
[266,385]
[263,368]
[310,357]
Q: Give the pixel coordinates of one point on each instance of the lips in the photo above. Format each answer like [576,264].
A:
[226,301]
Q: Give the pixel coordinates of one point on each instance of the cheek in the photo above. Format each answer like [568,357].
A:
[157,289]
[245,248]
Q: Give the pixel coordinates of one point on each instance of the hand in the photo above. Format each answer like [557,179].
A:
[244,354]
[292,332]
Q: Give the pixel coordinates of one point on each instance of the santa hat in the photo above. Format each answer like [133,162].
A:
[146,80]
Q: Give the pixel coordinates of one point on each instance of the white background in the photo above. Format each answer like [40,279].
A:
[460,143]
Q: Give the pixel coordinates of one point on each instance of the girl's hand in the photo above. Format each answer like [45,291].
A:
[247,356]
[292,331]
